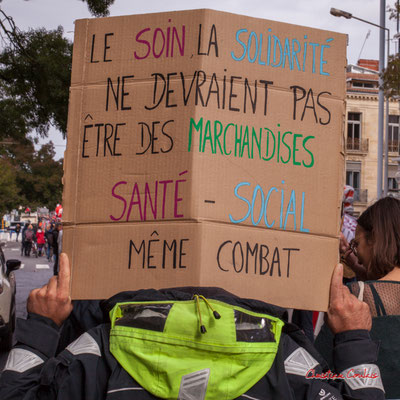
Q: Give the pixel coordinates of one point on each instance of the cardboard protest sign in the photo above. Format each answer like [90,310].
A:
[204,148]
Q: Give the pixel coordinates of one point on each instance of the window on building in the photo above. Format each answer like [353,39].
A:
[354,131]
[393,185]
[393,141]
[353,177]
[363,85]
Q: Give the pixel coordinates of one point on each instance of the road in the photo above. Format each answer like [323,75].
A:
[34,272]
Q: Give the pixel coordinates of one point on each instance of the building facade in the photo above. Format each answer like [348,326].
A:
[361,135]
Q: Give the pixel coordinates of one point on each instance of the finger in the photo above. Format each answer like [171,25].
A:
[346,292]
[52,285]
[347,252]
[350,299]
[64,275]
[43,290]
[33,293]
[336,293]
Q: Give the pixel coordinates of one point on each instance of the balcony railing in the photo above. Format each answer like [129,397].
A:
[357,145]
[393,146]
[361,195]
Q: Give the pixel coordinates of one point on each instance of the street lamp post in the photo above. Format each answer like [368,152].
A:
[385,172]
[340,13]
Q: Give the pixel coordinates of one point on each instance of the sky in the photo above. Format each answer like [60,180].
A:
[313,13]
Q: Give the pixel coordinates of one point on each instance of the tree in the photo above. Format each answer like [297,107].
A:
[10,197]
[35,70]
[41,181]
[391,75]
[35,173]
[99,8]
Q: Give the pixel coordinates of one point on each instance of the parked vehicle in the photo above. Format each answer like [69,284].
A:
[7,299]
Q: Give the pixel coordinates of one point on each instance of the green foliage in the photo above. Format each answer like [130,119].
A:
[393,10]
[391,75]
[9,193]
[99,8]
[12,120]
[41,181]
[35,71]
[30,177]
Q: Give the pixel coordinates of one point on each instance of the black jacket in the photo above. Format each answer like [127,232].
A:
[54,243]
[87,370]
[49,237]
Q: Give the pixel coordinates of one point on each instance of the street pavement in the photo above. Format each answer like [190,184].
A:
[33,273]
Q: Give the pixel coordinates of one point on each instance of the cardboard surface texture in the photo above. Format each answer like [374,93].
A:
[210,128]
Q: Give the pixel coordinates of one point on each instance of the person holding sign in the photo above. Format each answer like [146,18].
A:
[374,254]
[213,345]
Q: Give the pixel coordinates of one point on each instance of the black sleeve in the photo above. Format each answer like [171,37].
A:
[55,237]
[32,372]
[356,376]
[355,356]
[85,315]
[37,340]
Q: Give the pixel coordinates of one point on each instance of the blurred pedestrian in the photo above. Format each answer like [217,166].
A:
[40,241]
[29,237]
[11,230]
[17,231]
[49,240]
[23,238]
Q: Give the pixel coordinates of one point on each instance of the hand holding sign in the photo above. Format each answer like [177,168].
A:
[53,300]
[346,312]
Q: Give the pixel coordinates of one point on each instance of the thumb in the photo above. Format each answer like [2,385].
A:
[336,292]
